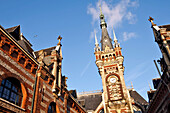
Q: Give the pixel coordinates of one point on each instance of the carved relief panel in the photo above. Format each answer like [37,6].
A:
[114,88]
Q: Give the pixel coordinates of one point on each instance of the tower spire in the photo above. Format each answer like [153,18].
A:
[100,8]
[102,20]
[106,41]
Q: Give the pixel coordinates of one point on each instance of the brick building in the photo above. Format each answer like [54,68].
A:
[160,97]
[32,81]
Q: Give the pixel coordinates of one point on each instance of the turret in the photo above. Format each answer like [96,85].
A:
[97,48]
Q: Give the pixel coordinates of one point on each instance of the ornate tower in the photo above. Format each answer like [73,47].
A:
[109,60]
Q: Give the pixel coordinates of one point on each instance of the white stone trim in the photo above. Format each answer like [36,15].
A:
[43,104]
[15,72]
[42,111]
[17,65]
[1,72]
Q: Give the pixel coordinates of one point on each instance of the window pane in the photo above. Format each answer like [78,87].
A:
[3,82]
[5,93]
[8,84]
[14,88]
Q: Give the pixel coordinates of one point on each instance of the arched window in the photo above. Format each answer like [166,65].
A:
[101,111]
[52,108]
[10,90]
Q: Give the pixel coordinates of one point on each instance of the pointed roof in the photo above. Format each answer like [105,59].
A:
[97,48]
[105,40]
[114,36]
[15,32]
[12,29]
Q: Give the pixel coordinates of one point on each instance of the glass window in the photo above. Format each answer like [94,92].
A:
[101,111]
[52,108]
[10,90]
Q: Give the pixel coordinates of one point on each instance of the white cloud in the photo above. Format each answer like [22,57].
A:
[114,13]
[127,36]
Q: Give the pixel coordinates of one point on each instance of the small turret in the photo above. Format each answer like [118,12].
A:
[116,44]
[97,48]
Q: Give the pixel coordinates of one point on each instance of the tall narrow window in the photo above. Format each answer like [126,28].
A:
[52,108]
[10,90]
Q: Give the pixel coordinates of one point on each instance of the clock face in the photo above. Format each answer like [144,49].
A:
[112,80]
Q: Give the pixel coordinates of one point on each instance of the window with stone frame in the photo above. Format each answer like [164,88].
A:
[10,90]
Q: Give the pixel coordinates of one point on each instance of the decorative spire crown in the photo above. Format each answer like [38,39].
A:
[102,20]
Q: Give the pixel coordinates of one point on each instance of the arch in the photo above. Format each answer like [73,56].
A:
[24,90]
[101,109]
[112,74]
[11,90]
[52,107]
[138,106]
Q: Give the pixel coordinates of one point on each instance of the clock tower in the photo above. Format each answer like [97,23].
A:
[109,60]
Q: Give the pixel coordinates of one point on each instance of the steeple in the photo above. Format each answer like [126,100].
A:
[106,41]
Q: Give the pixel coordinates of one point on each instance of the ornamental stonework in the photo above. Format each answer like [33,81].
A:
[16,64]
[15,72]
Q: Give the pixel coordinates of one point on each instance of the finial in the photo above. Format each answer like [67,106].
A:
[96,42]
[150,86]
[100,7]
[151,20]
[59,38]
[114,36]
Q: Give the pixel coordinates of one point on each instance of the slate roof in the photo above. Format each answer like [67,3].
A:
[106,40]
[11,29]
[90,101]
[137,97]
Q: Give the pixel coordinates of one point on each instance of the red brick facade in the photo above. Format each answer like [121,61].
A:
[17,63]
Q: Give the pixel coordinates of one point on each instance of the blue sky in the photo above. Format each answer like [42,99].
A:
[76,22]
